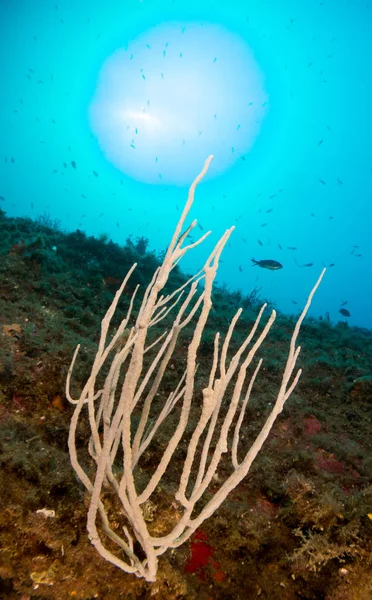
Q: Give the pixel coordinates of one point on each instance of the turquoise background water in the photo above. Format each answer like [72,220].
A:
[315,59]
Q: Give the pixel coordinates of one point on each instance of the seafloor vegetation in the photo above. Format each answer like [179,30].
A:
[299,526]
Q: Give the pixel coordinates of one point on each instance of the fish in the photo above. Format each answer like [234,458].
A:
[320,142]
[308,265]
[344,312]
[2,198]
[322,181]
[291,248]
[260,243]
[339,181]
[273,265]
[73,164]
[240,269]
[95,173]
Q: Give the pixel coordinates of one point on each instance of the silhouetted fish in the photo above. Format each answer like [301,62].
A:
[273,265]
[344,312]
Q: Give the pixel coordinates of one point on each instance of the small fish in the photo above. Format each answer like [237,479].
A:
[263,224]
[200,227]
[240,269]
[294,302]
[73,164]
[273,265]
[344,312]
[291,248]
[2,198]
[260,243]
[331,265]
[95,173]
[344,303]
[270,210]
[340,182]
[322,181]
[320,142]
[280,247]
[308,265]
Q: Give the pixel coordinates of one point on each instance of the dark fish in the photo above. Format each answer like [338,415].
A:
[320,142]
[280,247]
[2,198]
[240,269]
[95,173]
[331,265]
[340,182]
[294,302]
[73,164]
[344,303]
[308,265]
[273,265]
[260,243]
[322,181]
[344,312]
[270,209]
[291,248]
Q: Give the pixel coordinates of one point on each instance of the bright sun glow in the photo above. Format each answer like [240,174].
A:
[177,94]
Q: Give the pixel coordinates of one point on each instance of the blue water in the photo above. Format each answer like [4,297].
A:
[301,177]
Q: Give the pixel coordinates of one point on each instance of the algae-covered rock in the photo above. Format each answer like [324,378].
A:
[361,388]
